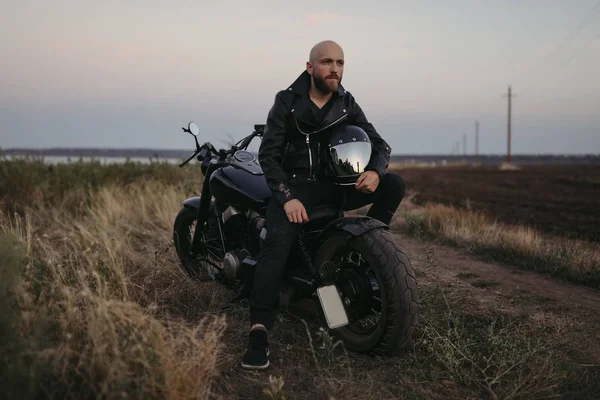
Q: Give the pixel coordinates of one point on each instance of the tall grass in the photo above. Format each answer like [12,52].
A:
[33,183]
[577,261]
[94,303]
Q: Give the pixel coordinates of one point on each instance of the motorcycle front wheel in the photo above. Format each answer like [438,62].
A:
[378,288]
[203,262]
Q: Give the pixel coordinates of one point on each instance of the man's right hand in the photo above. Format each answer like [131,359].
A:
[295,211]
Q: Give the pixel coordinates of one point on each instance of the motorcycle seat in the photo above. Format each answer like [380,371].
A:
[324,211]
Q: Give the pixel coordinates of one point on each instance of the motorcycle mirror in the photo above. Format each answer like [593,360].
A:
[193,128]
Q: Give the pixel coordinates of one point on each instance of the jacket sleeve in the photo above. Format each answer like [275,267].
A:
[380,158]
[272,147]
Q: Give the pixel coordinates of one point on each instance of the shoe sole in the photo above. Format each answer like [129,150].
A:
[257,367]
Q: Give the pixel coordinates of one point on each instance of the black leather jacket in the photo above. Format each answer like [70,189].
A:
[291,148]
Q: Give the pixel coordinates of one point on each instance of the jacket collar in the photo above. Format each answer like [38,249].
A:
[301,87]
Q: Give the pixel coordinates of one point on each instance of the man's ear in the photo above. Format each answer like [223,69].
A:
[309,68]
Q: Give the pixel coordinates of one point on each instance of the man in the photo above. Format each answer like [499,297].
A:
[293,164]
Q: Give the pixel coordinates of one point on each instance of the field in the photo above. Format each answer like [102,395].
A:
[94,305]
[561,200]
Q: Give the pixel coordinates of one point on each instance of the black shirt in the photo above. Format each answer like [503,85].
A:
[319,114]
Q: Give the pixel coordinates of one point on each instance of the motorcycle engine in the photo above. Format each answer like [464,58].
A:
[244,231]
[233,261]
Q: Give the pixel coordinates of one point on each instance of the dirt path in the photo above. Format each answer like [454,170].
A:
[497,286]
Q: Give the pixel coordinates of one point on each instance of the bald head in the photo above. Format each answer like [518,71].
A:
[326,66]
[325,48]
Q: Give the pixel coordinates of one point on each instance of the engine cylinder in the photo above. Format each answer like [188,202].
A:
[233,261]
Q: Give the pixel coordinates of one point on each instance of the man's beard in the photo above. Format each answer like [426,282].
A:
[322,86]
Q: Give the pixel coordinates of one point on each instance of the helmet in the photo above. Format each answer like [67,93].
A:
[348,153]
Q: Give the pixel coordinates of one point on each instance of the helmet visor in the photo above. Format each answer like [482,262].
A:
[350,158]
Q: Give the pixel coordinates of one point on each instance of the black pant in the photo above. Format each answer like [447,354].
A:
[282,234]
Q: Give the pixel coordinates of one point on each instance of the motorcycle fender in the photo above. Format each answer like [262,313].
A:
[193,203]
[356,225]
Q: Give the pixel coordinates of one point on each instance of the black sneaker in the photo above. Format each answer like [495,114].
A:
[257,355]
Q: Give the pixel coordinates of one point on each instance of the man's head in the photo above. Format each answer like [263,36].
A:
[326,66]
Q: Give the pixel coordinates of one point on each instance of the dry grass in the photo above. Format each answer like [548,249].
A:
[578,261]
[99,303]
[93,305]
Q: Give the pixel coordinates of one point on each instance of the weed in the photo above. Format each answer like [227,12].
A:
[275,390]
[577,261]
[468,275]
[484,284]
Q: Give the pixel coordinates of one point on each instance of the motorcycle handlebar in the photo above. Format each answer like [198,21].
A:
[188,160]
[206,149]
[203,153]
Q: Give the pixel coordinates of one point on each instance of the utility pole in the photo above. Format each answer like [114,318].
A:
[464,144]
[476,139]
[510,96]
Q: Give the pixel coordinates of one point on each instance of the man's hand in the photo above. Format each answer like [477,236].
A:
[295,211]
[367,181]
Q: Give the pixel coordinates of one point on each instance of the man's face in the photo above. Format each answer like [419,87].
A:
[327,68]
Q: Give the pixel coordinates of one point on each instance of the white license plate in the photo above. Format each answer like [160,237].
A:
[334,310]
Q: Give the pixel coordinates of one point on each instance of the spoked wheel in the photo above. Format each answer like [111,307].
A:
[378,289]
[206,261]
[360,291]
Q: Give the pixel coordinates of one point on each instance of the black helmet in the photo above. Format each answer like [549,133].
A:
[348,153]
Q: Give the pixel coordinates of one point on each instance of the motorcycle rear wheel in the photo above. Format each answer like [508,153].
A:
[380,278]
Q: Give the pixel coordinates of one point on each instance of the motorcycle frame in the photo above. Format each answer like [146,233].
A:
[353,225]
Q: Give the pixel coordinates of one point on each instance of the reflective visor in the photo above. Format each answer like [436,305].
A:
[350,158]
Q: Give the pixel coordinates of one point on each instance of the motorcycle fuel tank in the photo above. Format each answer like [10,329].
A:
[240,188]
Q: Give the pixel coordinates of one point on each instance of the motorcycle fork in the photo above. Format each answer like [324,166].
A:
[203,208]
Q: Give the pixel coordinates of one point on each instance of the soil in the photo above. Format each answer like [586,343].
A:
[559,199]
[490,287]
[505,288]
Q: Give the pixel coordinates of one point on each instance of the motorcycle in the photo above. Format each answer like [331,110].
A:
[363,280]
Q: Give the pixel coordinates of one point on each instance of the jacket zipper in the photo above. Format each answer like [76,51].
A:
[309,155]
[308,140]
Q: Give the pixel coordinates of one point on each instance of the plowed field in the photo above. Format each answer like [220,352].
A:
[561,200]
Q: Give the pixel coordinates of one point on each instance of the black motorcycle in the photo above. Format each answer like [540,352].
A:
[353,265]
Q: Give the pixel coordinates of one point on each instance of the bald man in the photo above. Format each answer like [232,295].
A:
[294,166]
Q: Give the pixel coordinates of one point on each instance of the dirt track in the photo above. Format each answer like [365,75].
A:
[474,288]
[500,287]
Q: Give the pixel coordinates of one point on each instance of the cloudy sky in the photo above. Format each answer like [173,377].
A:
[130,73]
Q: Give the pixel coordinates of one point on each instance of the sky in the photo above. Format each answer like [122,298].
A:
[79,73]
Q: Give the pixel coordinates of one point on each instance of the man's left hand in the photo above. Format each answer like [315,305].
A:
[367,181]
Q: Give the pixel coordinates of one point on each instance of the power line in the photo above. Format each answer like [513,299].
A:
[583,22]
[568,39]
[588,17]
[593,39]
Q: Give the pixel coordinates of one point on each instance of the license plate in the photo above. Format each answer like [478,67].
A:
[334,310]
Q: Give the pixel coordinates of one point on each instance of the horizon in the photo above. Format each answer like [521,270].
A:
[48,151]
[424,72]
